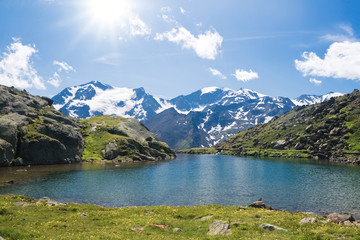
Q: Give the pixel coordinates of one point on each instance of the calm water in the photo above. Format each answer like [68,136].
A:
[196,180]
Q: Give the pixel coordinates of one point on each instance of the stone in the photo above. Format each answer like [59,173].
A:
[347,223]
[205,218]
[308,220]
[164,227]
[260,204]
[48,201]
[148,212]
[137,229]
[1,238]
[270,227]
[340,217]
[311,213]
[21,204]
[177,229]
[111,150]
[280,144]
[219,228]
[84,215]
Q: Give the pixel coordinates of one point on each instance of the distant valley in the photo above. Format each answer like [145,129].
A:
[200,119]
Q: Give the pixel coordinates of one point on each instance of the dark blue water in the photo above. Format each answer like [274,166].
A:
[204,179]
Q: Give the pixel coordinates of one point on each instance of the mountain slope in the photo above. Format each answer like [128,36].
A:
[202,118]
[95,98]
[329,130]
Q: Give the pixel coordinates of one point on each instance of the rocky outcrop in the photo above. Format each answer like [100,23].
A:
[33,132]
[122,140]
[260,204]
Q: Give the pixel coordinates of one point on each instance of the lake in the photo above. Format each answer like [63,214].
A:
[195,180]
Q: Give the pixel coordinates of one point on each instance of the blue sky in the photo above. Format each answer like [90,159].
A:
[275,47]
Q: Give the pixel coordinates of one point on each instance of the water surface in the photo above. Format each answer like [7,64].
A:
[196,180]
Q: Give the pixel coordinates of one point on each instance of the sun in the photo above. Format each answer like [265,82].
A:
[108,11]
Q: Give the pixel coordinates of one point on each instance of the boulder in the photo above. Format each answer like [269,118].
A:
[219,228]
[270,227]
[6,153]
[111,151]
[260,204]
[340,217]
[280,144]
[308,220]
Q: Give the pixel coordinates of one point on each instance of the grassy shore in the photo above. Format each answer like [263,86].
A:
[23,218]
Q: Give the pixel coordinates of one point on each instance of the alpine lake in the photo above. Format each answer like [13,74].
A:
[188,180]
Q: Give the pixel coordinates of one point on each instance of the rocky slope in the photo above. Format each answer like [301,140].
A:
[200,119]
[329,130]
[33,132]
[121,140]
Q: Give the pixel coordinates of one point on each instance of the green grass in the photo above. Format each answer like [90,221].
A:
[198,151]
[65,222]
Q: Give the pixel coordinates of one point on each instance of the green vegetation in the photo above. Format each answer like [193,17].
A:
[22,218]
[129,140]
[329,130]
[198,151]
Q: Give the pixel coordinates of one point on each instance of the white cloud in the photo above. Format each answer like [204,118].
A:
[165,9]
[245,76]
[55,80]
[109,59]
[16,69]
[315,81]
[347,35]
[206,45]
[342,60]
[138,27]
[217,73]
[63,66]
[183,11]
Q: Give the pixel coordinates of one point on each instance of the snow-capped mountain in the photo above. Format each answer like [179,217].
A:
[313,99]
[96,98]
[214,114]
[202,118]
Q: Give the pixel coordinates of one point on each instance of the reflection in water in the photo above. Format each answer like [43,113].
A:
[193,180]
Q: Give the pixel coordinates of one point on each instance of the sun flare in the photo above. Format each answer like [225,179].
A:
[108,11]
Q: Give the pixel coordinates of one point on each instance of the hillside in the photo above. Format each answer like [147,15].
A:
[329,130]
[33,132]
[121,140]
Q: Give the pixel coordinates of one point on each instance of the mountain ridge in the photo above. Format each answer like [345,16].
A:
[211,113]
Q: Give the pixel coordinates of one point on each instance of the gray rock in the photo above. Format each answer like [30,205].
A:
[219,228]
[270,227]
[308,220]
[260,204]
[280,144]
[1,238]
[137,229]
[347,223]
[177,229]
[111,151]
[84,215]
[6,153]
[205,218]
[340,217]
[48,201]
[21,204]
